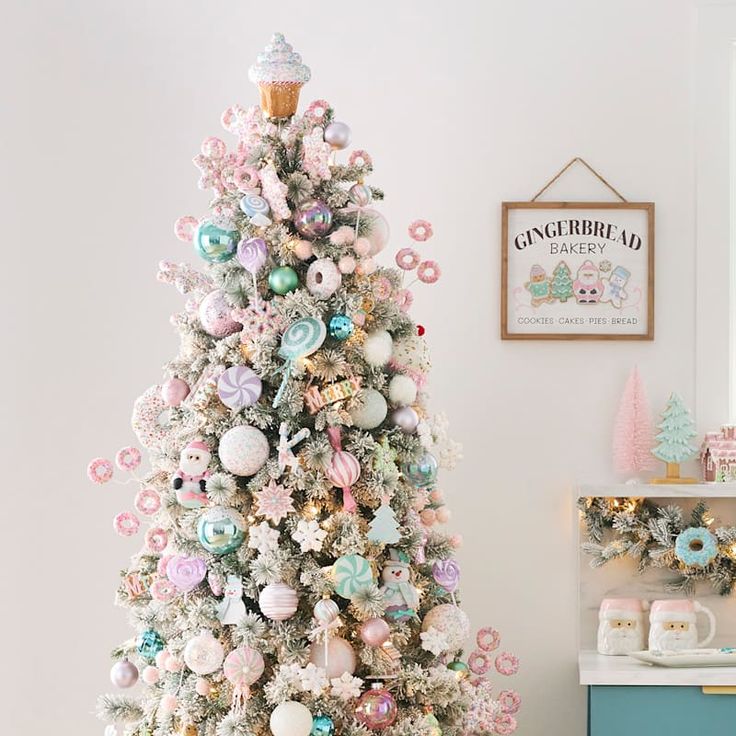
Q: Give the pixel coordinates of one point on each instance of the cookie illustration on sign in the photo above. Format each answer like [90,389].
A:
[538,285]
[588,287]
[613,287]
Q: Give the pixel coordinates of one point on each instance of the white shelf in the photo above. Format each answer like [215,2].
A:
[656,490]
[597,669]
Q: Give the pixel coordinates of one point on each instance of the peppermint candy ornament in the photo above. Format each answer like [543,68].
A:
[343,470]
[257,209]
[239,386]
[302,338]
[351,573]
[242,667]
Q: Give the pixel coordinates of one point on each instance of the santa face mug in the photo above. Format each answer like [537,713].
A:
[672,625]
[621,625]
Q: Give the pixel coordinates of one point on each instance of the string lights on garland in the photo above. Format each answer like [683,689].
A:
[657,536]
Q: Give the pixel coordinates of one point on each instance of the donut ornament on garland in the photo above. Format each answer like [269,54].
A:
[343,470]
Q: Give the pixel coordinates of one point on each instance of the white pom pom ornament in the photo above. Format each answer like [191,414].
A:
[291,719]
[371,411]
[203,654]
[377,348]
[402,390]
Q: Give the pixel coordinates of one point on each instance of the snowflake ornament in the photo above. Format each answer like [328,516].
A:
[433,640]
[274,501]
[309,535]
[264,538]
[274,192]
[346,687]
[313,679]
[317,155]
[258,320]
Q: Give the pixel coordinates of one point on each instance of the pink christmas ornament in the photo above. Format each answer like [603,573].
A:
[186,572]
[185,227]
[633,431]
[343,470]
[407,259]
[150,675]
[428,272]
[278,601]
[161,658]
[169,703]
[375,632]
[174,665]
[507,664]
[163,590]
[129,458]
[214,315]
[147,502]
[338,658]
[443,515]
[346,264]
[242,667]
[174,391]
[156,539]
[456,541]
[124,674]
[420,230]
[303,250]
[202,687]
[126,524]
[362,247]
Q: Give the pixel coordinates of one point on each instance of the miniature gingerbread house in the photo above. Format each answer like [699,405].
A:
[718,455]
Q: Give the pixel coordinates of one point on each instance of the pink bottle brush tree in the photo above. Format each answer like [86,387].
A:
[633,431]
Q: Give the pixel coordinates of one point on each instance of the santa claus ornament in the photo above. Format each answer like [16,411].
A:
[190,480]
[621,626]
[672,625]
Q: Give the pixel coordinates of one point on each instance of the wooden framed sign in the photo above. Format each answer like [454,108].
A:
[577,271]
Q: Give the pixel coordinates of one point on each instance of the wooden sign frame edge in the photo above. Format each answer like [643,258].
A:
[506,206]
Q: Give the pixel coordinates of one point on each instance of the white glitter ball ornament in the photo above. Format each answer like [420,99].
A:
[243,450]
[203,654]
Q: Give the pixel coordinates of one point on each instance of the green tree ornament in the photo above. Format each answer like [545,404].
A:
[675,432]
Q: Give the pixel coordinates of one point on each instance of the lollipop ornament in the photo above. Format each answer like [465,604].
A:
[252,255]
[302,338]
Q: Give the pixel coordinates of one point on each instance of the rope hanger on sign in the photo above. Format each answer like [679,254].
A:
[575,160]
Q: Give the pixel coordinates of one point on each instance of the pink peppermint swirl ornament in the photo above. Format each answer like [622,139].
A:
[243,666]
[343,470]
[239,386]
[186,572]
[447,574]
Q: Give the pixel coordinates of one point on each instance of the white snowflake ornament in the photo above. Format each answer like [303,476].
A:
[433,640]
[274,502]
[264,538]
[309,536]
[313,679]
[346,687]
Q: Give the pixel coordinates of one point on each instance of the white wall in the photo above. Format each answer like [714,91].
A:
[462,105]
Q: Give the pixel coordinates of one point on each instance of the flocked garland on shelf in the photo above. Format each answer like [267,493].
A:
[662,536]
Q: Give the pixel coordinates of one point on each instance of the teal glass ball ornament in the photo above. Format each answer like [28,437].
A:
[282,280]
[322,726]
[460,669]
[421,473]
[220,531]
[214,244]
[340,327]
[149,644]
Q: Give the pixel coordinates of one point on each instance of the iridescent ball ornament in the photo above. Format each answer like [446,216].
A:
[340,327]
[323,726]
[360,194]
[313,219]
[421,473]
[221,530]
[338,135]
[124,674]
[149,644]
[282,280]
[376,708]
[215,244]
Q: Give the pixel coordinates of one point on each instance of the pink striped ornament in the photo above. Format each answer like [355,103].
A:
[242,667]
[343,470]
[239,386]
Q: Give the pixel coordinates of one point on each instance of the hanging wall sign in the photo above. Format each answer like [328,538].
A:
[577,270]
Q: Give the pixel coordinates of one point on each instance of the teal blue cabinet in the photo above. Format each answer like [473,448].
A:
[659,711]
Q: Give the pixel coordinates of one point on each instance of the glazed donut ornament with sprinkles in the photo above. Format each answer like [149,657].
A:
[279,503]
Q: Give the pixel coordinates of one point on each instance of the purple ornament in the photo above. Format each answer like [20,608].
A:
[239,386]
[447,574]
[186,572]
[406,419]
[124,674]
[252,254]
[313,219]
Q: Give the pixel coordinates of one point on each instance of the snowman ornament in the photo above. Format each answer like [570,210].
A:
[401,597]
[190,480]
[231,609]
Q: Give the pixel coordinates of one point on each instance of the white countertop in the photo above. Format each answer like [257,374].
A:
[597,669]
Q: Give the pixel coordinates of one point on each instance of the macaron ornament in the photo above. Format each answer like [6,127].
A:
[279,74]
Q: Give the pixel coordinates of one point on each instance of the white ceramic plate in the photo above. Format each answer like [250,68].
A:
[689,658]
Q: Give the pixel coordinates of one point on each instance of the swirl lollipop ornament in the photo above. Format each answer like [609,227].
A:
[343,470]
[252,255]
[302,338]
[242,667]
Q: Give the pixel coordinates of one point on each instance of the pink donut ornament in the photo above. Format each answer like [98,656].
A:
[185,227]
[407,259]
[163,591]
[507,664]
[100,470]
[147,501]
[156,539]
[239,386]
[150,420]
[479,662]
[126,524]
[246,178]
[488,639]
[420,230]
[428,272]
[129,458]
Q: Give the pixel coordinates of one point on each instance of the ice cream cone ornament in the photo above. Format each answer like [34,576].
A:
[280,75]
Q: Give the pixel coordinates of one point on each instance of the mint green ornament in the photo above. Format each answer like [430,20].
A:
[282,280]
[220,530]
[214,244]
